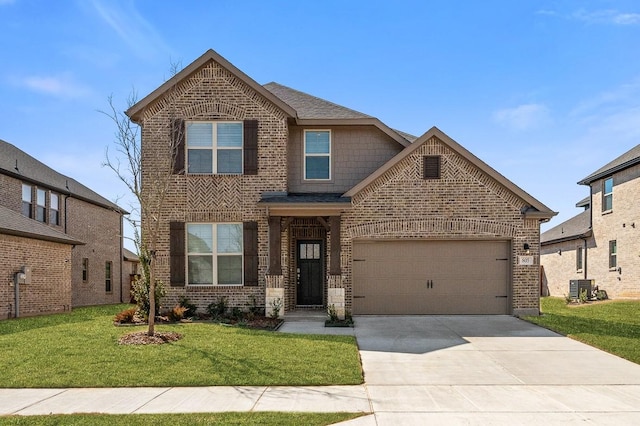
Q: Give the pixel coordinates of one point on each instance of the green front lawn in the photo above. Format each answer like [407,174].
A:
[265,419]
[613,326]
[80,349]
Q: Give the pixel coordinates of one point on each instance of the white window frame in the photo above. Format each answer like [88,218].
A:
[43,206]
[214,253]
[54,196]
[305,155]
[607,194]
[29,201]
[579,258]
[613,255]
[214,147]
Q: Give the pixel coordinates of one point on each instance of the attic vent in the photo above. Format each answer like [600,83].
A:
[431,167]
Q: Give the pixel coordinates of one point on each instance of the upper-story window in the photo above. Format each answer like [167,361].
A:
[317,155]
[579,258]
[27,200]
[54,209]
[607,195]
[41,205]
[214,147]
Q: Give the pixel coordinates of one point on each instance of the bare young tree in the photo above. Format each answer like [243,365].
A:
[149,187]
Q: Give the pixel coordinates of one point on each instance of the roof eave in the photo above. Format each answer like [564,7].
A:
[369,121]
[581,236]
[135,111]
[592,178]
[36,236]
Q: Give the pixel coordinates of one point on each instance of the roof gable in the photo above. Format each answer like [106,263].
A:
[626,160]
[539,210]
[17,163]
[314,111]
[135,112]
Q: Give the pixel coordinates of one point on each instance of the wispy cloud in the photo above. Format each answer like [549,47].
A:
[131,27]
[522,117]
[63,86]
[622,96]
[601,17]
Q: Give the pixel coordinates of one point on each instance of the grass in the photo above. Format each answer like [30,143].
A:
[80,349]
[613,326]
[266,419]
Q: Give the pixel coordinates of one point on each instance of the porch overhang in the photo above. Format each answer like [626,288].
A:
[305,205]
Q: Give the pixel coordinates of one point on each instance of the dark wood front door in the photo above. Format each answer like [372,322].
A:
[310,272]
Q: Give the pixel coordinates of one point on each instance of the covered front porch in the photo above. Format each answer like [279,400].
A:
[304,252]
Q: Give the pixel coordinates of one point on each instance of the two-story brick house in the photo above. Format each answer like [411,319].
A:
[277,194]
[602,243]
[68,236]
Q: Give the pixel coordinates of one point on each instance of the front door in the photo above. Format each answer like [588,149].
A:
[310,272]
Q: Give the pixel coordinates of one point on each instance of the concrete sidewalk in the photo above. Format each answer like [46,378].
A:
[184,400]
[471,370]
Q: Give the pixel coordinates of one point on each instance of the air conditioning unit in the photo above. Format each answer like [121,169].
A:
[576,286]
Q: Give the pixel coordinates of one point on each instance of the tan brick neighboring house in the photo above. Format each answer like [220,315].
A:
[281,197]
[130,271]
[84,255]
[603,242]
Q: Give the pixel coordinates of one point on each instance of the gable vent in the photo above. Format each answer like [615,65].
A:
[431,167]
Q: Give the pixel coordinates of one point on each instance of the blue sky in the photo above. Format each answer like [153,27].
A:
[545,92]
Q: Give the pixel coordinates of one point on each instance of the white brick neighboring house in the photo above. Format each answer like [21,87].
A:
[278,194]
[603,242]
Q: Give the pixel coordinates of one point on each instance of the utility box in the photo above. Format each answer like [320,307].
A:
[576,286]
[26,270]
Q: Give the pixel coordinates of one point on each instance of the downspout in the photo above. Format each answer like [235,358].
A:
[16,286]
[586,263]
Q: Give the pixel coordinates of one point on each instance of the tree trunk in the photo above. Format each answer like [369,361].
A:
[152,298]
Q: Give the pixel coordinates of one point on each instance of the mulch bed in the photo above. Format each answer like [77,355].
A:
[143,338]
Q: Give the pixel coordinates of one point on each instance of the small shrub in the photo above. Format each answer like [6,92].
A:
[126,317]
[568,298]
[583,297]
[276,305]
[140,291]
[218,309]
[190,307]
[254,308]
[177,313]
[333,315]
[236,313]
[602,295]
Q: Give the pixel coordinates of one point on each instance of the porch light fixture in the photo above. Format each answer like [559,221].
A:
[526,247]
[560,252]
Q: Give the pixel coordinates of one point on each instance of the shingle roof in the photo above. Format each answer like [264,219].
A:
[21,165]
[129,255]
[14,223]
[628,159]
[312,107]
[577,227]
[292,198]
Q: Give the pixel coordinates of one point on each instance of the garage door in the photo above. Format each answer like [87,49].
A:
[430,277]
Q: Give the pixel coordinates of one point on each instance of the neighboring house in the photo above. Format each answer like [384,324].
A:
[281,197]
[69,236]
[130,271]
[603,242]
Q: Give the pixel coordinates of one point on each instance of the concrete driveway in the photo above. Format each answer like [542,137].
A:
[489,370]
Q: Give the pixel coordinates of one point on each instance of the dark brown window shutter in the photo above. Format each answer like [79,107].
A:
[250,237]
[250,147]
[178,140]
[176,248]
[431,164]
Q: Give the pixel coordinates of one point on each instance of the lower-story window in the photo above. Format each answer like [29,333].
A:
[107,276]
[214,253]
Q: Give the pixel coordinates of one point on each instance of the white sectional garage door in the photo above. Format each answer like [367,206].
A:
[430,277]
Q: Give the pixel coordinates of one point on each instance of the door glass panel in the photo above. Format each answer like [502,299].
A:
[316,251]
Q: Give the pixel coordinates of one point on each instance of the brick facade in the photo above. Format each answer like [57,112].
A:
[96,226]
[50,287]
[621,224]
[466,203]
[213,93]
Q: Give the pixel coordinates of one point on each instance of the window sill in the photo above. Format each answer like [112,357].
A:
[607,212]
[213,285]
